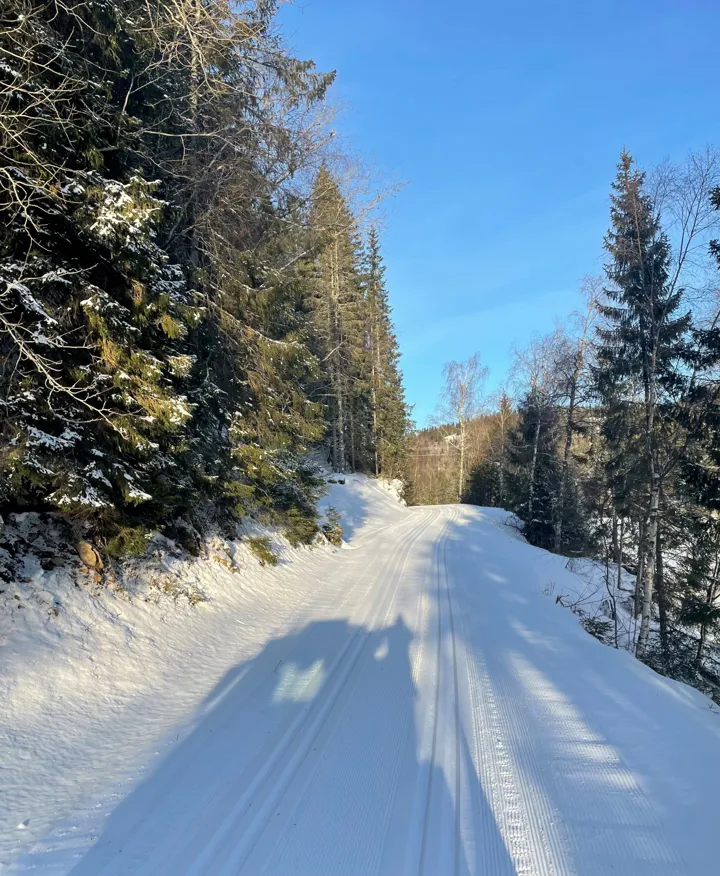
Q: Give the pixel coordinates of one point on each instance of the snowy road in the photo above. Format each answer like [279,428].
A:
[429,712]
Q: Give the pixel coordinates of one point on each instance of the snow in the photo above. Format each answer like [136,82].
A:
[135,494]
[412,703]
[38,438]
[78,493]
[92,471]
[31,304]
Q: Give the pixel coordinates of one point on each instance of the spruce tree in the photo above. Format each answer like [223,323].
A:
[94,314]
[700,485]
[488,484]
[153,327]
[535,469]
[643,343]
[339,320]
[389,410]
[181,318]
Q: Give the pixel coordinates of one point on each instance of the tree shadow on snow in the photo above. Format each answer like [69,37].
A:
[303,760]
[585,734]
[355,507]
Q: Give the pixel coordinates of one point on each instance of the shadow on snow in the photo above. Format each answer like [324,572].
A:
[268,749]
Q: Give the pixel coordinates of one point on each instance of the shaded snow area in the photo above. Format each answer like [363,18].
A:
[414,703]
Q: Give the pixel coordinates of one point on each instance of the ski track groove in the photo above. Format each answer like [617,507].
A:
[631,809]
[322,705]
[530,733]
[510,794]
[456,693]
[435,770]
[65,828]
[367,833]
[499,778]
[450,747]
[415,848]
[313,603]
[151,853]
[436,708]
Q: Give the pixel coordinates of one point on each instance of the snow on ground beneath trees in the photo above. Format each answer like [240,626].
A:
[413,703]
[96,684]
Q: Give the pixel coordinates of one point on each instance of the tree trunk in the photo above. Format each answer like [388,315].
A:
[566,454]
[376,437]
[334,448]
[614,534]
[501,501]
[461,474]
[650,368]
[619,555]
[639,577]
[351,421]
[533,466]
[375,360]
[651,546]
[335,360]
[340,424]
[709,600]
[662,597]
[192,143]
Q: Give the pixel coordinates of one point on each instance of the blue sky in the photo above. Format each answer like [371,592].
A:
[505,120]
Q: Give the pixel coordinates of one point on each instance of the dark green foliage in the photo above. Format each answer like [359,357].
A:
[644,338]
[94,313]
[301,528]
[389,412]
[641,311]
[643,373]
[128,542]
[332,527]
[158,348]
[535,469]
[484,485]
[359,384]
[262,548]
[599,627]
[534,479]
[488,482]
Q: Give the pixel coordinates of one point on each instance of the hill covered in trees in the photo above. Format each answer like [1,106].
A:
[605,443]
[189,301]
[192,302]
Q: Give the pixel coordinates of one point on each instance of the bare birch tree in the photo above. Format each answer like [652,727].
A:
[460,401]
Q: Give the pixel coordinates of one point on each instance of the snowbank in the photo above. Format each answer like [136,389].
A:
[112,676]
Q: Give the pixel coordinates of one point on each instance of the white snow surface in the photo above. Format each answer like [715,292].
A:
[412,704]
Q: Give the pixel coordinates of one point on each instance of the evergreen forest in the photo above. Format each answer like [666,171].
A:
[192,301]
[194,311]
[603,439]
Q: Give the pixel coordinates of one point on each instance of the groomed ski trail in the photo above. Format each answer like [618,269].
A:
[426,711]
